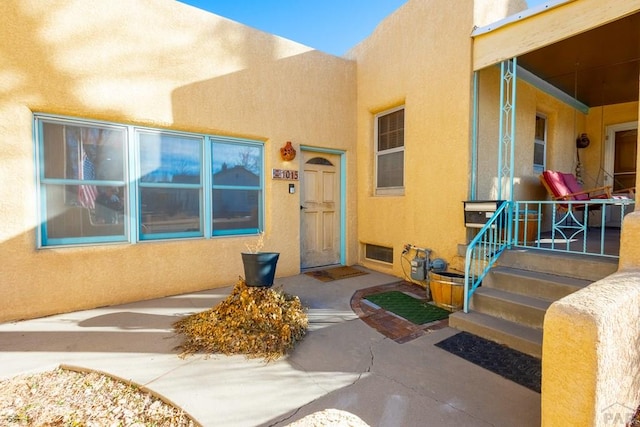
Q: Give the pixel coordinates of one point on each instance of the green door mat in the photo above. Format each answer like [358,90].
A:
[412,309]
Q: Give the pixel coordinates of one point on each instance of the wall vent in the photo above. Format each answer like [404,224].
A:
[379,253]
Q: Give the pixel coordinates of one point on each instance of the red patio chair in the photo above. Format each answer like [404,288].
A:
[565,186]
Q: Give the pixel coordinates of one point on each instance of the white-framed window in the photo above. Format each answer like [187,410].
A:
[389,152]
[106,182]
[540,144]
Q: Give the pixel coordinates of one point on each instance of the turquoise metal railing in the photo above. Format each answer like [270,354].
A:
[582,227]
[485,248]
[507,128]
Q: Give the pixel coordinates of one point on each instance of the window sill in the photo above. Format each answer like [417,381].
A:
[389,192]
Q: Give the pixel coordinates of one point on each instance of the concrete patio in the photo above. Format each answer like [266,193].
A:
[342,363]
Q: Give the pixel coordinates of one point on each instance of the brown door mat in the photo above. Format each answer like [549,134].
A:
[335,273]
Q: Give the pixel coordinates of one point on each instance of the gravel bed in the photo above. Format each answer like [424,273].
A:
[64,397]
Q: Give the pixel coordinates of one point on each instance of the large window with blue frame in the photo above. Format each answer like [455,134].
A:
[170,185]
[102,182]
[83,189]
[236,187]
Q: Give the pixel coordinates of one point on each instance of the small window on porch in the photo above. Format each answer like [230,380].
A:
[540,144]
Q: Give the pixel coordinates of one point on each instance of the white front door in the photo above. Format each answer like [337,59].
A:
[320,210]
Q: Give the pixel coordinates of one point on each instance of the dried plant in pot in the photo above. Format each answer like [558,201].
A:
[259,267]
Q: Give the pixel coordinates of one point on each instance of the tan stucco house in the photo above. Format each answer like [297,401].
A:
[140,160]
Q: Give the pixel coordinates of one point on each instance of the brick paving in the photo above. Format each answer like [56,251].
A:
[389,324]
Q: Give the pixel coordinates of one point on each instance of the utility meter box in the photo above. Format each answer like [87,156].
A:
[418,268]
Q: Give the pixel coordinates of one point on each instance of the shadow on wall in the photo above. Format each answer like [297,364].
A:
[273,95]
[208,72]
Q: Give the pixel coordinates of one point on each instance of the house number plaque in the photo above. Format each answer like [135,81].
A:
[285,174]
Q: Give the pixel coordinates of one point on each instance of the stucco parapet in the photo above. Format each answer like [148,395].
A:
[591,352]
[629,242]
[601,298]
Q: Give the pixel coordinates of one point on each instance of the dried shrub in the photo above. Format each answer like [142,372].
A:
[253,321]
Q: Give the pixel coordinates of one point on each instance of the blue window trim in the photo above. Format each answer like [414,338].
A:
[211,186]
[131,164]
[237,232]
[42,233]
[142,236]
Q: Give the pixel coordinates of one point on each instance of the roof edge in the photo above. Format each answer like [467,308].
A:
[527,13]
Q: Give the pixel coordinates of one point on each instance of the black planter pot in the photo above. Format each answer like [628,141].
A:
[260,268]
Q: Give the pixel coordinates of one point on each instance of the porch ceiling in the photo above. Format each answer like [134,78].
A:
[600,66]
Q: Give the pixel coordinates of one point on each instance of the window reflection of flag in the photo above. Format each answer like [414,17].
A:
[87,193]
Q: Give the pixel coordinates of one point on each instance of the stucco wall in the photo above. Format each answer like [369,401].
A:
[591,355]
[162,64]
[561,122]
[489,11]
[418,57]
[591,347]
[564,124]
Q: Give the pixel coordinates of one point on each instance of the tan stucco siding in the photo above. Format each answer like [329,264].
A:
[591,357]
[159,64]
[487,12]
[560,141]
[416,59]
[590,363]
[564,124]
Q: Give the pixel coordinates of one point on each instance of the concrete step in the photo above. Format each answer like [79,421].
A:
[550,287]
[577,266]
[522,338]
[522,309]
[510,305]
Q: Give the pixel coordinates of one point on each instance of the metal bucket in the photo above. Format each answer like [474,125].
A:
[447,290]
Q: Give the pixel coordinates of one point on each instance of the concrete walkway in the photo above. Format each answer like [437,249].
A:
[342,363]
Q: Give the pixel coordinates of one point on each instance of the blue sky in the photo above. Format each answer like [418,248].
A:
[332,26]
